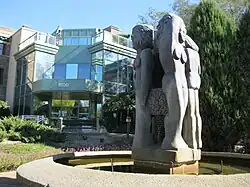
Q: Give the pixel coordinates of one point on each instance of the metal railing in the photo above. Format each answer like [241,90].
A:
[108,37]
[38,36]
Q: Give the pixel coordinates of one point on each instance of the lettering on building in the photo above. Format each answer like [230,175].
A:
[63,85]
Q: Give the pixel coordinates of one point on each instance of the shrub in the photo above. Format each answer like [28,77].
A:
[2,135]
[4,109]
[14,136]
[24,130]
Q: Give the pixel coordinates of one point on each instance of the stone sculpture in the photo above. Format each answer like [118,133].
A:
[170,41]
[142,38]
[167,80]
[192,122]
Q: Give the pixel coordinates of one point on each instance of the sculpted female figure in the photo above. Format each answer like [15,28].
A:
[142,38]
[192,122]
[170,36]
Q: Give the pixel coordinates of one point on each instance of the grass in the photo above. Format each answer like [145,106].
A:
[14,155]
[211,168]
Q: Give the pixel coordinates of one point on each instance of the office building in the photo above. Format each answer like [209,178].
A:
[71,71]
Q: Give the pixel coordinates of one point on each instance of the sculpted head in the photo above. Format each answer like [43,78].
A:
[171,27]
[142,37]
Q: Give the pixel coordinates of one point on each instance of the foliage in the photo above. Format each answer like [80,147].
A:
[4,109]
[29,131]
[151,17]
[185,9]
[235,8]
[12,156]
[243,45]
[2,135]
[214,32]
[121,101]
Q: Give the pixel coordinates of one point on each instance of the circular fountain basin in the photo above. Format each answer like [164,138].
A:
[95,169]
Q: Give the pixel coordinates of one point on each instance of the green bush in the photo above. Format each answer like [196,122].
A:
[14,136]
[4,109]
[24,130]
[2,135]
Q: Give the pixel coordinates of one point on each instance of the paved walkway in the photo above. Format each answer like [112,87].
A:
[8,179]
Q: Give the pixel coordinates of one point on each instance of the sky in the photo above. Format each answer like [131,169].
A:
[46,15]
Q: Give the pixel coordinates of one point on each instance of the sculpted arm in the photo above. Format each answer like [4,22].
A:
[147,64]
[190,43]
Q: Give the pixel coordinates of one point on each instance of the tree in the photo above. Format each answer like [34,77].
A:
[185,9]
[214,33]
[122,103]
[243,45]
[151,17]
[235,8]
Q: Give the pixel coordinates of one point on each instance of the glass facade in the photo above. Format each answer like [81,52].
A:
[115,70]
[76,37]
[23,89]
[72,71]
[73,61]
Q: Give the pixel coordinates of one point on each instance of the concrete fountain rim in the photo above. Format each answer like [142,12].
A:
[46,171]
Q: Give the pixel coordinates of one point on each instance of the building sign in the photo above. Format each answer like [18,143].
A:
[36,118]
[63,85]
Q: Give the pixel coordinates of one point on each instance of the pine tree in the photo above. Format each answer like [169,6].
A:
[214,33]
[243,62]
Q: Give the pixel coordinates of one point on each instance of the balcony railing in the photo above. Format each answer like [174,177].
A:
[112,38]
[41,37]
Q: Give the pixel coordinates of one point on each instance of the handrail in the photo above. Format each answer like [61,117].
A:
[37,36]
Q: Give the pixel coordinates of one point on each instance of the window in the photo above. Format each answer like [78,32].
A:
[71,71]
[83,33]
[1,76]
[89,40]
[60,71]
[67,33]
[90,32]
[75,33]
[1,49]
[110,57]
[74,41]
[67,41]
[83,41]
[96,72]
[84,71]
[97,58]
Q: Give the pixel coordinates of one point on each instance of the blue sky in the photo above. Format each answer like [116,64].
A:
[46,15]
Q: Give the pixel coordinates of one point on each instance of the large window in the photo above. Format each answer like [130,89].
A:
[97,58]
[83,41]
[84,71]
[67,41]
[117,73]
[74,41]
[1,49]
[71,71]
[60,71]
[96,72]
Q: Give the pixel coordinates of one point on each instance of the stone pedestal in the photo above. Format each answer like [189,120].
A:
[183,161]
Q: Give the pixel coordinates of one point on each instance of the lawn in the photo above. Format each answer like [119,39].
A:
[14,155]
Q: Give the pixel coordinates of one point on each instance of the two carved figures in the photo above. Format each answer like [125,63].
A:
[167,60]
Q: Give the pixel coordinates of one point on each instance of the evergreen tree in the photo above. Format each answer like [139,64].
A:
[214,33]
[243,62]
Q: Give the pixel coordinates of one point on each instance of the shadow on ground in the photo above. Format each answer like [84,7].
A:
[9,182]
